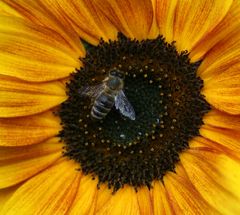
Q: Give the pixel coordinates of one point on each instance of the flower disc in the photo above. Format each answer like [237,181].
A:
[164,90]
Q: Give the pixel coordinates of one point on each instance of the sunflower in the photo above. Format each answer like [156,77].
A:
[181,67]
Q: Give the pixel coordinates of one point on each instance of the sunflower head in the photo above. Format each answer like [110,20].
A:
[119,107]
[164,91]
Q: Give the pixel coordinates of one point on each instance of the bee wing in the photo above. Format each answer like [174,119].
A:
[124,106]
[91,91]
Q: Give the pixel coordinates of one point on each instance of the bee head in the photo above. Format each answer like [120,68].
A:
[115,80]
[117,73]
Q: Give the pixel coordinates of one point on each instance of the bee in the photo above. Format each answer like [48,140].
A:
[107,94]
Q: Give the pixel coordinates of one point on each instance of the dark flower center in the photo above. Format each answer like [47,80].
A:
[164,90]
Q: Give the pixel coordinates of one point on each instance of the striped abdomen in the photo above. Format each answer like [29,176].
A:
[102,105]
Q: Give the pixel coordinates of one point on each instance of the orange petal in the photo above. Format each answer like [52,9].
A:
[89,23]
[194,19]
[28,130]
[50,192]
[85,197]
[145,201]
[123,202]
[228,26]
[165,12]
[132,17]
[161,203]
[215,176]
[222,90]
[34,53]
[184,198]
[226,100]
[220,119]
[20,163]
[18,98]
[223,57]
[35,12]
[225,137]
[154,31]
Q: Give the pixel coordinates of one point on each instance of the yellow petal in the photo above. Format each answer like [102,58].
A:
[38,14]
[228,26]
[132,17]
[210,145]
[194,19]
[28,130]
[34,53]
[165,12]
[7,10]
[20,163]
[47,147]
[144,201]
[89,23]
[103,196]
[220,119]
[227,138]
[93,208]
[161,203]
[50,192]
[123,202]
[184,198]
[18,98]
[5,194]
[222,90]
[215,176]
[85,196]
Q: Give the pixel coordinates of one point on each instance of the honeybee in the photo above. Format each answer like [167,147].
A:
[107,94]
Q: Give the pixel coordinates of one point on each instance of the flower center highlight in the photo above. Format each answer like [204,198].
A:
[164,91]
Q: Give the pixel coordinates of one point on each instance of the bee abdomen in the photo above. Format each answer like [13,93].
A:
[101,108]
[97,114]
[102,105]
